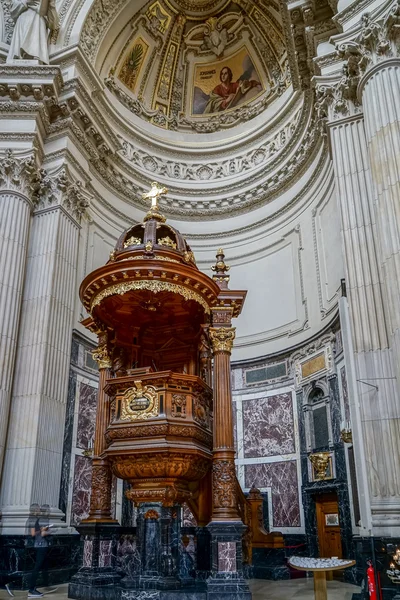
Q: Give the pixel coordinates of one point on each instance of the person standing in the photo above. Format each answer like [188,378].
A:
[38,530]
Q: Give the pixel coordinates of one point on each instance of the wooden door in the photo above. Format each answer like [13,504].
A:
[329,540]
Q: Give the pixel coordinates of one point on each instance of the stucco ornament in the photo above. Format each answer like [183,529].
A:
[216,37]
[34,20]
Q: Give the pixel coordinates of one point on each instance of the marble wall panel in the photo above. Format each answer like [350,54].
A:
[105,553]
[268,426]
[188,518]
[281,477]
[81,489]
[227,557]
[87,415]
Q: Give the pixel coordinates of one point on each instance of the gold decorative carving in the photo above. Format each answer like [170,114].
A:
[153,286]
[189,257]
[162,465]
[154,194]
[178,406]
[102,357]
[142,257]
[224,484]
[185,430]
[221,269]
[139,403]
[152,514]
[320,462]
[132,241]
[222,338]
[166,241]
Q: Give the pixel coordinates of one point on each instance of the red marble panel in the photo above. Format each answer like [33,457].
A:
[81,489]
[281,477]
[87,415]
[268,427]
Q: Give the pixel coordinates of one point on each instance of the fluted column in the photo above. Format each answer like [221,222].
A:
[223,474]
[18,176]
[372,358]
[375,53]
[33,459]
[368,356]
[15,213]
[100,497]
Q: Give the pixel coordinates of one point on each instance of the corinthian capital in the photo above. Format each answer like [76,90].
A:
[337,100]
[377,41]
[60,188]
[20,173]
[222,338]
[102,356]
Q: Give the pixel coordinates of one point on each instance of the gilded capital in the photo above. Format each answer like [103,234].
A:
[102,357]
[222,338]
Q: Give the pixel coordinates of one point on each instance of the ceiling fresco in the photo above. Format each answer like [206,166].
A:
[186,63]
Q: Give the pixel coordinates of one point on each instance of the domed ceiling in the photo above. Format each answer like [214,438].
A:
[202,65]
[211,98]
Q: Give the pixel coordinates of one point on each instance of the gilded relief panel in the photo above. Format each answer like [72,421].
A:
[132,66]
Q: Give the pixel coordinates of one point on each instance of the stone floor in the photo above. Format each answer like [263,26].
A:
[296,589]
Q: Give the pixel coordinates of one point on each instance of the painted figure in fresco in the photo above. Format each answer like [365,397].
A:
[226,93]
[34,20]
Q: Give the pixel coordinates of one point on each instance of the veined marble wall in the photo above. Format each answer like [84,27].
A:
[272,432]
[79,435]
[268,448]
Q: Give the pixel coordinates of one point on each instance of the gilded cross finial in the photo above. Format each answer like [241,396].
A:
[154,194]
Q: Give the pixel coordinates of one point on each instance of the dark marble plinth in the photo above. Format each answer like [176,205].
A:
[17,560]
[98,578]
[226,581]
[95,584]
[189,594]
[227,586]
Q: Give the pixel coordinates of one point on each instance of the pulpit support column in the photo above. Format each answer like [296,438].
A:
[226,528]
[100,497]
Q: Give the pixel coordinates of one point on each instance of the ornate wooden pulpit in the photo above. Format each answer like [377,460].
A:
[165,337]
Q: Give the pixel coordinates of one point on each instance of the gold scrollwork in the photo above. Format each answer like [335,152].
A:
[132,241]
[321,462]
[102,357]
[222,338]
[166,241]
[139,403]
[153,286]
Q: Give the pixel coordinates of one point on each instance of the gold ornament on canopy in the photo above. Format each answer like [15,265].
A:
[156,191]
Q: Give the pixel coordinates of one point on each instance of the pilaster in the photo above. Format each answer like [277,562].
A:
[33,457]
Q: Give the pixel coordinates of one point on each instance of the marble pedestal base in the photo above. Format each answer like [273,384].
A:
[227,586]
[194,593]
[99,583]
[97,579]
[226,581]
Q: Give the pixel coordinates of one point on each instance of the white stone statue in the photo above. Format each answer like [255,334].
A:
[34,20]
